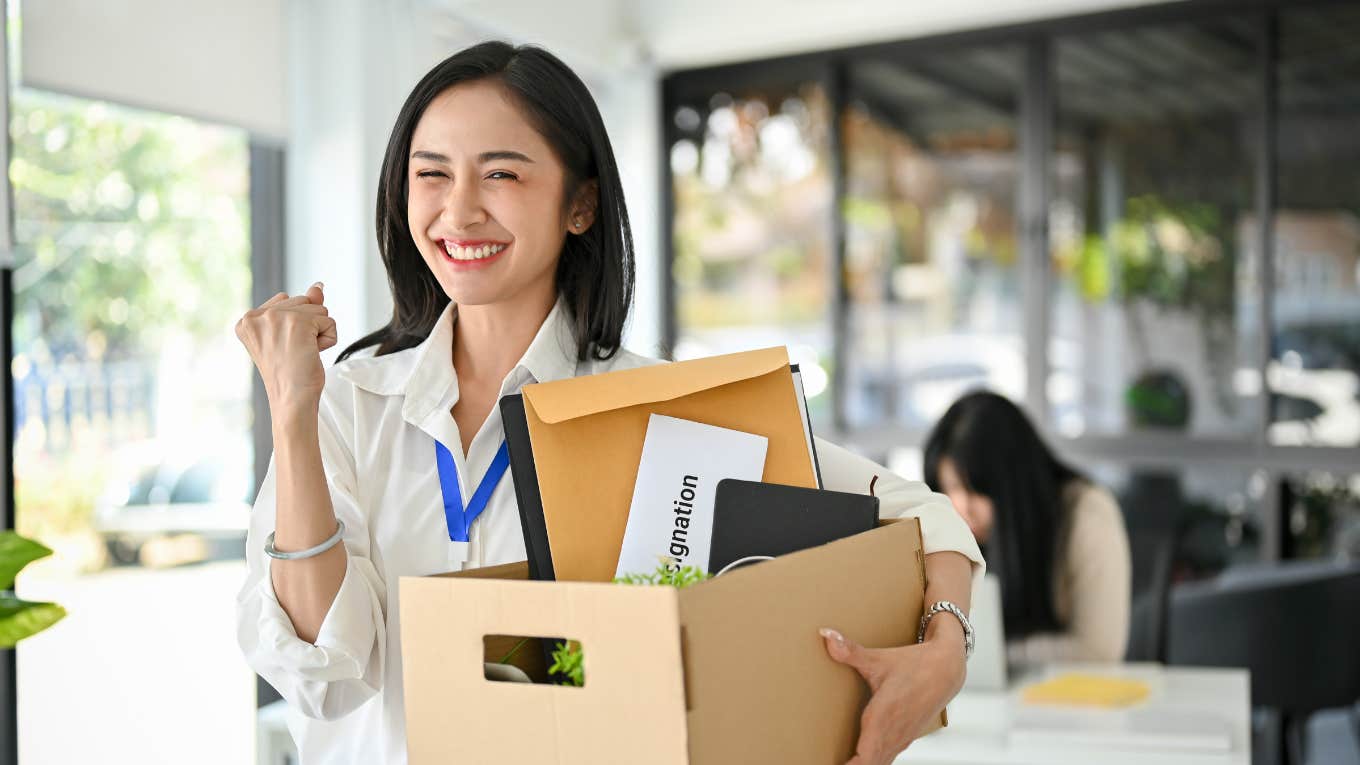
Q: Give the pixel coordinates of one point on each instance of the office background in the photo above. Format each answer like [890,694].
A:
[1141,220]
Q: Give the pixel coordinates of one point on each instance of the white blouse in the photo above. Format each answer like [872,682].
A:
[378,421]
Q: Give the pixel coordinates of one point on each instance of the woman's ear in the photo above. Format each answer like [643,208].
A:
[583,207]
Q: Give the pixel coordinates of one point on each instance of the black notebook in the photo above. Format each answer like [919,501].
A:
[525,476]
[751,518]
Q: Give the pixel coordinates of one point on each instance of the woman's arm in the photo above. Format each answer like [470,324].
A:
[332,666]
[305,517]
[910,684]
[285,337]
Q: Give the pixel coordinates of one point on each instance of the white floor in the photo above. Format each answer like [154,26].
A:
[145,670]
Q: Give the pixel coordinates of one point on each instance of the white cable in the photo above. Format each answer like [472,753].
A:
[739,561]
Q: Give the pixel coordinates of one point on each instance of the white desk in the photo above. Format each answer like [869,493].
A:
[996,727]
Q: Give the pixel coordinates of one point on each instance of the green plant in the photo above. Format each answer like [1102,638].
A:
[568,659]
[681,576]
[568,663]
[21,618]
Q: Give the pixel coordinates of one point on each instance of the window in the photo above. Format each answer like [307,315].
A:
[1150,228]
[931,259]
[750,175]
[132,450]
[1314,373]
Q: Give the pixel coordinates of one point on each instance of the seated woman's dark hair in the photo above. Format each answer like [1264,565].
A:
[997,453]
[596,271]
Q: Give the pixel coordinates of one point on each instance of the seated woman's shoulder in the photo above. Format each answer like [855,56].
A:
[1091,504]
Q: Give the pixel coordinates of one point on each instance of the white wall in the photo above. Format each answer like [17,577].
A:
[210,60]
[676,34]
[351,63]
[698,32]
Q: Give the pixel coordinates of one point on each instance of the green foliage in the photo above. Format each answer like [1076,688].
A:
[21,618]
[679,577]
[15,553]
[24,618]
[1171,255]
[568,659]
[568,663]
[51,504]
[123,219]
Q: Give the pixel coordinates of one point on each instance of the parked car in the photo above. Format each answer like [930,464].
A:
[208,496]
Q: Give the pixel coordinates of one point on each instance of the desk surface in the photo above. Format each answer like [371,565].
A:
[996,727]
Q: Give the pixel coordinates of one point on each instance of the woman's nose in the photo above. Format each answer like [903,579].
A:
[462,206]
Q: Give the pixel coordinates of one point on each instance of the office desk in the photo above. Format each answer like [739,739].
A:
[996,727]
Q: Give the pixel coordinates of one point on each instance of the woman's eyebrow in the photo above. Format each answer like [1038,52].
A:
[431,156]
[502,154]
[484,157]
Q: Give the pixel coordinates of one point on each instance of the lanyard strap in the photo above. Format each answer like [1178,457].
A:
[460,519]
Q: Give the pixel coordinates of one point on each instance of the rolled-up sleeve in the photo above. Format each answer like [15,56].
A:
[343,669]
[941,527]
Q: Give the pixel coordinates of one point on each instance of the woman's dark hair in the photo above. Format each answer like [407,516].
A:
[997,453]
[595,272]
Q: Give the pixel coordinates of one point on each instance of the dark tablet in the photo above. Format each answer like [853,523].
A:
[751,518]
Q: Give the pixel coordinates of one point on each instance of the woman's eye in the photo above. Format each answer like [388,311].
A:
[429,174]
[499,175]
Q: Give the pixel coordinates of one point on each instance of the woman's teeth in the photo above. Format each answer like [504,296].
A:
[472,253]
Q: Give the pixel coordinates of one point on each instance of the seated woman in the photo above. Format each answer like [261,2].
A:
[1056,540]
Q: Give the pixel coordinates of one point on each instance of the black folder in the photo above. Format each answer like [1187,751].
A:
[527,496]
[751,518]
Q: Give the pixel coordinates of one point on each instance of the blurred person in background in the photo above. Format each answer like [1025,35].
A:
[1055,539]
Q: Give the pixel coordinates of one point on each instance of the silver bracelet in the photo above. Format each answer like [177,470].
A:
[945,606]
[310,551]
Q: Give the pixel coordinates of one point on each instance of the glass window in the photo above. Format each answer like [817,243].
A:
[1151,224]
[1314,374]
[752,268]
[132,448]
[931,257]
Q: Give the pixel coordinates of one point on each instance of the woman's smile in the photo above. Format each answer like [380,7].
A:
[470,254]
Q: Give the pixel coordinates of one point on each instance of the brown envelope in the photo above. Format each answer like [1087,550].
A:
[587,435]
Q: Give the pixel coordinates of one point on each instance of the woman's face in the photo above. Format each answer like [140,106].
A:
[485,198]
[976,509]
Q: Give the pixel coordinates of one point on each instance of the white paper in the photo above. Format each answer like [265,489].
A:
[671,517]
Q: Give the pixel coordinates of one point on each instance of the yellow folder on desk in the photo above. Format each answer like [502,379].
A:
[587,435]
[1086,690]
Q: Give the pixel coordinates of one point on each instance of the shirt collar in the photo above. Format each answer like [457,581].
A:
[425,375]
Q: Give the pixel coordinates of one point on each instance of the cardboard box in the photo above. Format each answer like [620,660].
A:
[731,670]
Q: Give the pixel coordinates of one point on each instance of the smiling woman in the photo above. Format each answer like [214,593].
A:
[534,173]
[502,226]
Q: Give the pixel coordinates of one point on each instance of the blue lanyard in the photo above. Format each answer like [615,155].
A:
[460,519]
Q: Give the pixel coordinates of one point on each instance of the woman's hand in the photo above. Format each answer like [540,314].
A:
[910,686]
[285,337]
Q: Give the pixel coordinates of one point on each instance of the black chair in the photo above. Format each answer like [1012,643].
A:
[1152,505]
[1295,626]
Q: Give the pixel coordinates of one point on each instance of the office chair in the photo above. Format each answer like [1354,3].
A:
[1153,506]
[1295,626]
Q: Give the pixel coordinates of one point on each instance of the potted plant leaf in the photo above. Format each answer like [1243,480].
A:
[21,618]
[568,660]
